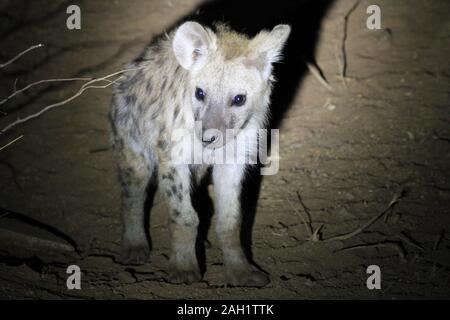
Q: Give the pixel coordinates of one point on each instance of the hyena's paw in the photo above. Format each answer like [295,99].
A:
[135,254]
[179,276]
[246,277]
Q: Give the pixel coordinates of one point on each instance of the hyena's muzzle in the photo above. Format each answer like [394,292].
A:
[211,127]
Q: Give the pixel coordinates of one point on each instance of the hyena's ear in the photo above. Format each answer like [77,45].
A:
[267,48]
[192,43]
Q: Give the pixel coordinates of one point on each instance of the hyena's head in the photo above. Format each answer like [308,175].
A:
[229,77]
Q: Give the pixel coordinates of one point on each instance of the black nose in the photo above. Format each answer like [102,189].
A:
[208,138]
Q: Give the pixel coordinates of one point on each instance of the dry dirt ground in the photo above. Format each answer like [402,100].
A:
[383,129]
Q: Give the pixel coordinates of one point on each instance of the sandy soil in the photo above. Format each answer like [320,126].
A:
[346,152]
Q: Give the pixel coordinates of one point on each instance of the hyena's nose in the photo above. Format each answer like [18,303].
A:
[210,136]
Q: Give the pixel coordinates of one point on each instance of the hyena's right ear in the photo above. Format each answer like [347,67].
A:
[192,44]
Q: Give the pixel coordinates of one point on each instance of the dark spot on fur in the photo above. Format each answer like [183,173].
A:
[180,196]
[148,87]
[157,48]
[130,99]
[232,122]
[163,85]
[245,122]
[174,189]
[141,108]
[169,193]
[155,114]
[118,144]
[126,174]
[193,168]
[130,80]
[176,213]
[168,176]
[112,125]
[177,112]
[125,192]
[196,114]
[170,86]
[162,144]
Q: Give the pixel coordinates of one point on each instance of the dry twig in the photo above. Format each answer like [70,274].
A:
[305,215]
[349,235]
[2,65]
[16,92]
[86,86]
[32,242]
[318,74]
[438,240]
[397,246]
[11,142]
[343,60]
[302,216]
[403,236]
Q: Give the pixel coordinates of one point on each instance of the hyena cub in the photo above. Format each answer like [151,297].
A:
[194,74]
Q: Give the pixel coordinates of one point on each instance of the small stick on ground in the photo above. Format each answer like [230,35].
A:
[349,235]
[438,241]
[302,216]
[405,237]
[340,65]
[31,242]
[318,74]
[344,40]
[4,215]
[2,65]
[397,246]
[315,235]
[97,150]
[84,87]
[11,142]
[306,211]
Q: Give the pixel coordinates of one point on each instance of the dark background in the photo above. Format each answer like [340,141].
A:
[382,131]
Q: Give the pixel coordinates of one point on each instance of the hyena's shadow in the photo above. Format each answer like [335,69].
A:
[304,16]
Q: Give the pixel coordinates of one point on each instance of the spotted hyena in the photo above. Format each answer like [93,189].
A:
[219,79]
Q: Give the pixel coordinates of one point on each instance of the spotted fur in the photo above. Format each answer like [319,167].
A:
[155,99]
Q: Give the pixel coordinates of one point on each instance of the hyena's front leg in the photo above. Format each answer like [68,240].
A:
[175,182]
[134,174]
[228,186]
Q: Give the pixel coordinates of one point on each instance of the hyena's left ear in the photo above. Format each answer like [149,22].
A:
[267,48]
[192,44]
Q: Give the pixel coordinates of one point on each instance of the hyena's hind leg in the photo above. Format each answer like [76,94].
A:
[136,172]
[175,184]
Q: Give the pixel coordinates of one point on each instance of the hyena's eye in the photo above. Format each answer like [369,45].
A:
[199,94]
[239,100]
